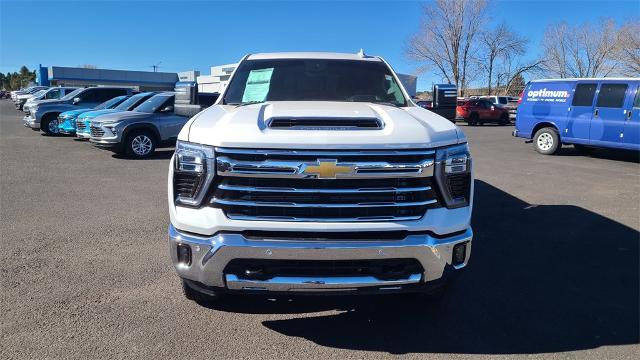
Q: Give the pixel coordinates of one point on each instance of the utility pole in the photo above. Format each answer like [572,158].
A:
[156,66]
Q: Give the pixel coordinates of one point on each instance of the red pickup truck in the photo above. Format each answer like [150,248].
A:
[480,111]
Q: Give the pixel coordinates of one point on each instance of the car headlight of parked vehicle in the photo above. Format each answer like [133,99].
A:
[453,174]
[194,169]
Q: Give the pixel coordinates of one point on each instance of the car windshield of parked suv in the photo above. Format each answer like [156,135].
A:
[72,94]
[110,103]
[153,103]
[39,93]
[314,80]
[127,104]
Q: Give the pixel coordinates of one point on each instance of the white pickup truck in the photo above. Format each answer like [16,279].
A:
[315,172]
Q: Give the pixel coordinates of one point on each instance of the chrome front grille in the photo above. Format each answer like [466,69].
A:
[81,126]
[327,186]
[97,132]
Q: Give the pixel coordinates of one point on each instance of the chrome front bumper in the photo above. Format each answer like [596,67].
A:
[31,122]
[210,256]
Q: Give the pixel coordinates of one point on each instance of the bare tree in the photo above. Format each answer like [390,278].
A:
[499,45]
[447,40]
[581,51]
[629,49]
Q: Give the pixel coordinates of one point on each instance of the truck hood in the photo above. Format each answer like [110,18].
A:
[246,126]
[94,113]
[121,116]
[42,102]
[74,113]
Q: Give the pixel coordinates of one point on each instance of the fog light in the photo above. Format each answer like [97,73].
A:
[184,254]
[459,253]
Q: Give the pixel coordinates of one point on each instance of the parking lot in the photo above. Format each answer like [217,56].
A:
[85,267]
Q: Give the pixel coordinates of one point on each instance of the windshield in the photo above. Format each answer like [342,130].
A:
[72,94]
[313,80]
[110,103]
[127,104]
[39,93]
[153,103]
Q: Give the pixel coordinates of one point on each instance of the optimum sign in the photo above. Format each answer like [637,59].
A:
[548,95]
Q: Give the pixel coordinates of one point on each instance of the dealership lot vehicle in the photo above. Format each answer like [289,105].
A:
[480,111]
[29,90]
[76,287]
[45,116]
[297,175]
[67,120]
[583,112]
[139,132]
[53,93]
[83,121]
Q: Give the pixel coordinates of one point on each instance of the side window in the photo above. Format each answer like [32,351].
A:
[53,94]
[636,103]
[170,102]
[88,96]
[612,95]
[108,94]
[583,96]
[487,104]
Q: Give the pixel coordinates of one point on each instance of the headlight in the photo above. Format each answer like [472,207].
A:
[453,175]
[194,169]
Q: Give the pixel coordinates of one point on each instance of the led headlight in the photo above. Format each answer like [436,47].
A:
[453,175]
[194,170]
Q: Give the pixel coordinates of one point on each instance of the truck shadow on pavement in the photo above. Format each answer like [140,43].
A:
[602,153]
[541,279]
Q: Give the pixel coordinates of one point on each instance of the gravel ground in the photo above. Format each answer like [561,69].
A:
[85,271]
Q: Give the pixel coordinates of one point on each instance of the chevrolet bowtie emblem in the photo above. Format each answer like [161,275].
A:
[327,169]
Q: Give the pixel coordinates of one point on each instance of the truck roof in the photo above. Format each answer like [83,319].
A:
[593,79]
[312,55]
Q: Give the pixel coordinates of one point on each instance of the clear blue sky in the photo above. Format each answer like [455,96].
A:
[196,35]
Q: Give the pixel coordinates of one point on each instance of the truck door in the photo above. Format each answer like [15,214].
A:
[609,115]
[631,136]
[580,112]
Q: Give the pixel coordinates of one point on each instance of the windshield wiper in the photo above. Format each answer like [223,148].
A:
[250,103]
[385,103]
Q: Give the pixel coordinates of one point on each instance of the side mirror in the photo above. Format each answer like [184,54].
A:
[167,109]
[76,100]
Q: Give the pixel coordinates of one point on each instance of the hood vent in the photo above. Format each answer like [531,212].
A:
[325,123]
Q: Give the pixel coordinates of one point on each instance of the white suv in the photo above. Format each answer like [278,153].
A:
[315,172]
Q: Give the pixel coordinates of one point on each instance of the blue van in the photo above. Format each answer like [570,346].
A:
[583,112]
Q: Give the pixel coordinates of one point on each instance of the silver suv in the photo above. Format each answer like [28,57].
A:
[139,132]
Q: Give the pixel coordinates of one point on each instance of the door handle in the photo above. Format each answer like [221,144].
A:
[629,112]
[595,113]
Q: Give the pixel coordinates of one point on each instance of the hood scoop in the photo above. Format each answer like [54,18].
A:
[320,123]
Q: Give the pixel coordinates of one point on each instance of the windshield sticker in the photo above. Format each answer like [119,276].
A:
[257,86]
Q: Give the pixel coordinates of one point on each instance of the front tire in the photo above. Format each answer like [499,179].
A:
[140,144]
[474,119]
[504,119]
[50,125]
[547,141]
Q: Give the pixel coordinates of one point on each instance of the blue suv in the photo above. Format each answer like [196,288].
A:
[586,113]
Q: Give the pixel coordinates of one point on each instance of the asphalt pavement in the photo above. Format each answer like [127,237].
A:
[85,270]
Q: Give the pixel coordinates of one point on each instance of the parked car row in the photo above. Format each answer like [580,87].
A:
[115,118]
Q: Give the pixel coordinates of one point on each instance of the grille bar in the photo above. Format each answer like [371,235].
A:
[224,186]
[318,205]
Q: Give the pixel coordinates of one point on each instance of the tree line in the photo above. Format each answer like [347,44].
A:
[17,80]
[456,41]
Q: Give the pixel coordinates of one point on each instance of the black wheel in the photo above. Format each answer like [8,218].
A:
[140,144]
[546,141]
[504,119]
[474,119]
[195,295]
[583,149]
[49,125]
